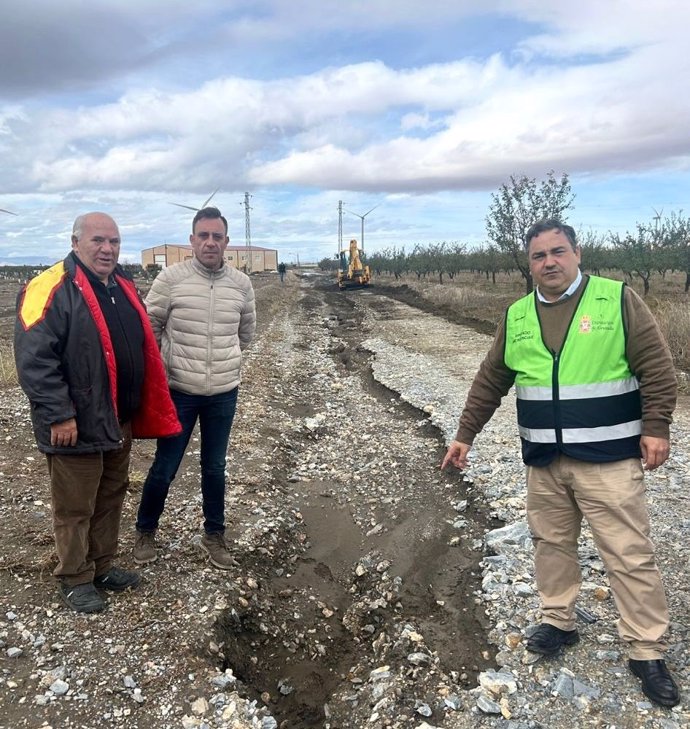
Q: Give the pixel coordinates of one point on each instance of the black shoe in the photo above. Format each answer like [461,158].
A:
[82,598]
[548,639]
[117,580]
[657,684]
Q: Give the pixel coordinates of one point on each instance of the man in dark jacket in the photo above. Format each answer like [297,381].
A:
[89,364]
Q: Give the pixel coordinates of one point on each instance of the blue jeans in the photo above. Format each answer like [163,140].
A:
[215,414]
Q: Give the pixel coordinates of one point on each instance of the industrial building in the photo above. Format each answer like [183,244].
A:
[252,259]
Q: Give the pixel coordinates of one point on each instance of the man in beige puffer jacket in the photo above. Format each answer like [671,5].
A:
[202,313]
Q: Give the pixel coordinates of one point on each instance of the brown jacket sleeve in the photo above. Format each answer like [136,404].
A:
[650,360]
[491,383]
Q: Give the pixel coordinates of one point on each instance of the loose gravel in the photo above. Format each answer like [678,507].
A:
[353,550]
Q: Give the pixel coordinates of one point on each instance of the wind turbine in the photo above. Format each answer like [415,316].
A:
[362,219]
[203,204]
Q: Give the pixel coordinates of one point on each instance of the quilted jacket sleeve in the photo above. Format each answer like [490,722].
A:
[247,326]
[158,305]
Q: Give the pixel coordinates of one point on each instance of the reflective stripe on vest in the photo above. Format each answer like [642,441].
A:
[583,435]
[580,392]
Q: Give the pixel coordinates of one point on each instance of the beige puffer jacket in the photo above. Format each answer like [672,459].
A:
[202,320]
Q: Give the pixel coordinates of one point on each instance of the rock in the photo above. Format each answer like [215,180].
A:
[380,674]
[423,709]
[505,539]
[224,680]
[59,687]
[487,705]
[200,706]
[497,682]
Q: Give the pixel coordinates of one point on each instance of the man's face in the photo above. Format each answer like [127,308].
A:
[553,263]
[209,242]
[98,246]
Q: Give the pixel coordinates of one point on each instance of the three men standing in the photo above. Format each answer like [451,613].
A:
[203,316]
[88,361]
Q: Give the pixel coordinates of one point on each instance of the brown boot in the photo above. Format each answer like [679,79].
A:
[218,551]
[145,548]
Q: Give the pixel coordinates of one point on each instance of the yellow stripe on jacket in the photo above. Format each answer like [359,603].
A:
[38,294]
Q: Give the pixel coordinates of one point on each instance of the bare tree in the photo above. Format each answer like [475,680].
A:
[520,203]
[654,246]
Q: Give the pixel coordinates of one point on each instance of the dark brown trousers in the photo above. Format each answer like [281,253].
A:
[87,492]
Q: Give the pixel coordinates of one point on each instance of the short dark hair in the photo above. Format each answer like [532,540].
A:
[542,226]
[210,214]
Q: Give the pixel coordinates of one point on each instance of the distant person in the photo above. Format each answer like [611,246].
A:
[89,364]
[596,390]
[282,269]
[203,316]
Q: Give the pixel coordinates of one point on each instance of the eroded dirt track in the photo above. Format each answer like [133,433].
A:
[378,550]
[358,600]
[346,537]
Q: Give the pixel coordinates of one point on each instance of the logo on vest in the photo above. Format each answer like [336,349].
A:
[585,324]
[522,336]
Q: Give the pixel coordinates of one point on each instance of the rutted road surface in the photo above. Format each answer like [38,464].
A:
[384,578]
[367,593]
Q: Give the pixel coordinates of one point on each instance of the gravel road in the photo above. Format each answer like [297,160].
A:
[372,590]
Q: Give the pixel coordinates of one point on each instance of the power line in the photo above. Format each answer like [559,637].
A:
[247,230]
[340,226]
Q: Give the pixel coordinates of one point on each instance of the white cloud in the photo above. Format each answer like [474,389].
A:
[587,88]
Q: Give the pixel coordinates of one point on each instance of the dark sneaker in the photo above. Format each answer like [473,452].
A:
[82,598]
[548,639]
[218,551]
[145,548]
[116,580]
[657,684]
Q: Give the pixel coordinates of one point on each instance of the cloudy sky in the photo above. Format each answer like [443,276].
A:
[420,109]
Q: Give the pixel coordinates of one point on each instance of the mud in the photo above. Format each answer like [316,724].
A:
[282,648]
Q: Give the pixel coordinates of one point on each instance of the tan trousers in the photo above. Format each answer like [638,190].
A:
[611,496]
[87,492]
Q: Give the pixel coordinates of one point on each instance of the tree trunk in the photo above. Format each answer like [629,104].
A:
[529,283]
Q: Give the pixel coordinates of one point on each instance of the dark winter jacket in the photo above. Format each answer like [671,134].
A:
[67,366]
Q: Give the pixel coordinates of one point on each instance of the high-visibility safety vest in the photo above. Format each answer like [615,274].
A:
[583,401]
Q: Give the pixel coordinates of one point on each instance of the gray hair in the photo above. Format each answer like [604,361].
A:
[77,227]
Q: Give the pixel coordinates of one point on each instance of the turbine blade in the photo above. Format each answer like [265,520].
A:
[210,198]
[189,207]
[9,212]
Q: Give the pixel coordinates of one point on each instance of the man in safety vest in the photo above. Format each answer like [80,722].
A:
[596,390]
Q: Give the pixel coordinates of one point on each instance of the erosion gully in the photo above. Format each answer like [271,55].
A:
[317,630]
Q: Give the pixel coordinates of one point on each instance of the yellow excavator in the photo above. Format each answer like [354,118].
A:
[352,273]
